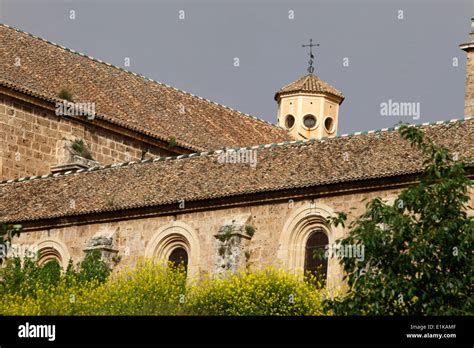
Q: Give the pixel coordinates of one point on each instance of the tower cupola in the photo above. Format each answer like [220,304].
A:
[309,107]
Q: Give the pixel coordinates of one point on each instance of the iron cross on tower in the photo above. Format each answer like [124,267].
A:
[311,56]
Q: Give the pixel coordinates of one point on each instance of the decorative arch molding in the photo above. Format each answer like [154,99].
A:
[52,249]
[295,234]
[175,235]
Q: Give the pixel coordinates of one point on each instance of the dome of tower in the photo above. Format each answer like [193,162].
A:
[309,84]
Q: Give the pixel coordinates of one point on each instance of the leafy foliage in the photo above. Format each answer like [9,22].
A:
[65,94]
[93,267]
[25,277]
[148,289]
[264,292]
[80,147]
[172,142]
[250,230]
[154,289]
[418,250]
[21,276]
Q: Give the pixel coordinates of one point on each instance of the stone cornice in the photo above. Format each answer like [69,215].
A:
[467,46]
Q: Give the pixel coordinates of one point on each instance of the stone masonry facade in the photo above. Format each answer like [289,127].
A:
[469,90]
[134,239]
[31,138]
[469,87]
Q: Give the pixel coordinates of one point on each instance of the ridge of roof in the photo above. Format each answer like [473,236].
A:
[219,151]
[139,75]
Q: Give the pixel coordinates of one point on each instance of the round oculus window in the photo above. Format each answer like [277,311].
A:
[309,121]
[329,124]
[289,121]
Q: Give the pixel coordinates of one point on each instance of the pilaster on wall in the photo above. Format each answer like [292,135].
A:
[232,244]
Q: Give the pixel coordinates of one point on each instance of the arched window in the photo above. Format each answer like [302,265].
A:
[314,265]
[178,243]
[179,256]
[296,236]
[47,255]
[51,249]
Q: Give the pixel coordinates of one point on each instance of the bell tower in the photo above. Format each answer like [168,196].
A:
[309,107]
[469,90]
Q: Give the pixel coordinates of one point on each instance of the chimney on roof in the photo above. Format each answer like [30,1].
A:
[469,90]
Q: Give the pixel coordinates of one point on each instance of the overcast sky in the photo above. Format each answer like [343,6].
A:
[404,51]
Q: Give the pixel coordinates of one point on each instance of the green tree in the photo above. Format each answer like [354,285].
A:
[93,267]
[24,276]
[418,250]
[21,276]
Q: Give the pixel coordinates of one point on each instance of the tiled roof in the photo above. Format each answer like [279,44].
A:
[310,84]
[125,98]
[297,164]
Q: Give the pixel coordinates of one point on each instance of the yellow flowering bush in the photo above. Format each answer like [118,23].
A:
[264,292]
[148,289]
[63,298]
[155,289]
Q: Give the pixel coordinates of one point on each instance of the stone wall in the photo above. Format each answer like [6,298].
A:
[30,138]
[134,239]
[469,88]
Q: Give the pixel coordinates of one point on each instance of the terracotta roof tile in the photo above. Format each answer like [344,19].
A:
[195,177]
[310,84]
[126,98]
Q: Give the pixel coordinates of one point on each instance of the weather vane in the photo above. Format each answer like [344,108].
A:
[311,45]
